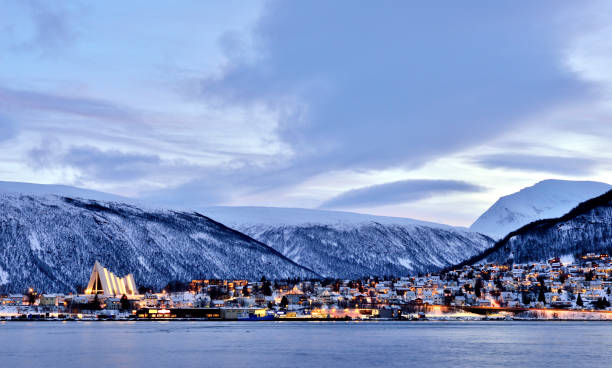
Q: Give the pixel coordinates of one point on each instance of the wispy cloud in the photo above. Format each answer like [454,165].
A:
[8,128]
[405,90]
[398,192]
[87,107]
[50,23]
[549,164]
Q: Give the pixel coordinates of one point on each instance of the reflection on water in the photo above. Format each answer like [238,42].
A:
[305,344]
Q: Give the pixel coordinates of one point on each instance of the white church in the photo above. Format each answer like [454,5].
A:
[104,282]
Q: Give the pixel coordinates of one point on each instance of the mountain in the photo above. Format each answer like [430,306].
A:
[60,190]
[251,215]
[348,245]
[585,229]
[51,243]
[546,199]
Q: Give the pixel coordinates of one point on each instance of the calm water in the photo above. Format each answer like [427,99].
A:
[305,344]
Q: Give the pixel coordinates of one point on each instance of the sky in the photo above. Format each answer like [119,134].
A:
[428,110]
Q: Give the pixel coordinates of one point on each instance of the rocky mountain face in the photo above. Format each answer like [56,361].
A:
[585,229]
[349,245]
[51,243]
[546,199]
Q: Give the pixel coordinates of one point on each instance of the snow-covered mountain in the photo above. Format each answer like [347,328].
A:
[345,245]
[250,215]
[546,199]
[51,243]
[585,229]
[60,190]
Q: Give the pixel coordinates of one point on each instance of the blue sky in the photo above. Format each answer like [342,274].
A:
[421,110]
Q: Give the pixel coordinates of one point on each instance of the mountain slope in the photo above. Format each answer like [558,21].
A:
[546,199]
[347,245]
[250,215]
[585,229]
[51,243]
[60,190]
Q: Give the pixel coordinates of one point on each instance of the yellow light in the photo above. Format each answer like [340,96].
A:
[152,311]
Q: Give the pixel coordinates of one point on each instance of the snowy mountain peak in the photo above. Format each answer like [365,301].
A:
[59,190]
[546,199]
[240,216]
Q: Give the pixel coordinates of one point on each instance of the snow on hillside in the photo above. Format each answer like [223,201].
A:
[60,190]
[587,229]
[247,215]
[331,243]
[51,243]
[344,244]
[546,199]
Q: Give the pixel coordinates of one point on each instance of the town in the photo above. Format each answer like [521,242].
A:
[557,289]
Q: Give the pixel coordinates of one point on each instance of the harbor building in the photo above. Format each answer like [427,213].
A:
[104,282]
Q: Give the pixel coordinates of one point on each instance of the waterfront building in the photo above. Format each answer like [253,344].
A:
[106,283]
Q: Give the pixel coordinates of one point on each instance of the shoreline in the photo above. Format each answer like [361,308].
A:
[427,319]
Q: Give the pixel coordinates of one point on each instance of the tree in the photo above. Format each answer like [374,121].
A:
[31,296]
[96,305]
[579,301]
[609,291]
[213,292]
[245,291]
[267,288]
[526,300]
[541,295]
[601,303]
[125,303]
[478,287]
[284,302]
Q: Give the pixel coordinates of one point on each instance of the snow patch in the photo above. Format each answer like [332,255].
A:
[4,276]
[203,236]
[567,259]
[406,262]
[34,243]
[144,264]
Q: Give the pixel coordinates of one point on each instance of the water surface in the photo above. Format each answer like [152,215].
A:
[305,344]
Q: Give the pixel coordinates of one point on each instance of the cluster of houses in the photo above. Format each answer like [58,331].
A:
[581,284]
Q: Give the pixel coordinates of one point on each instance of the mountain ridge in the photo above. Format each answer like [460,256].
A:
[51,243]
[585,209]
[546,199]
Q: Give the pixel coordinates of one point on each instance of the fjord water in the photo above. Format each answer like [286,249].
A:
[305,344]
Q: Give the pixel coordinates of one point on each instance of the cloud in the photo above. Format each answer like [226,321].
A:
[41,25]
[398,192]
[549,164]
[95,164]
[81,106]
[111,164]
[8,128]
[386,85]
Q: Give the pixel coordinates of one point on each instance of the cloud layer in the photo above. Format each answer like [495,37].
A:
[398,84]
[287,103]
[552,164]
[398,192]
